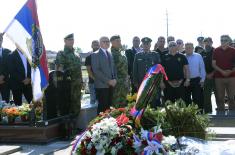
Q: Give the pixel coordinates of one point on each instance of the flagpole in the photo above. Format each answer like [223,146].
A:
[167,23]
[8,26]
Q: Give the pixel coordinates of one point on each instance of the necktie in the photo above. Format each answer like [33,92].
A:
[109,60]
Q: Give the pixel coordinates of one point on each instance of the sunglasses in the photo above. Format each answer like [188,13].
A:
[224,40]
[105,41]
[172,45]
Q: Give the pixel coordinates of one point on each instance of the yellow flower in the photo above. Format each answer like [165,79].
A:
[129,98]
[134,96]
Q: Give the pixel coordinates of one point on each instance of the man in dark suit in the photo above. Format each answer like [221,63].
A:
[4,72]
[20,77]
[130,55]
[105,75]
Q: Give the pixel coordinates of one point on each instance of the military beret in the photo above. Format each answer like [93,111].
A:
[69,36]
[146,40]
[200,38]
[208,39]
[114,37]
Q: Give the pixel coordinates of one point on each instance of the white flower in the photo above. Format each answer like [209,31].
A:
[99,147]
[88,134]
[144,134]
[89,146]
[170,140]
[113,151]
[100,152]
[137,142]
[103,141]
[119,145]
[153,147]
[102,133]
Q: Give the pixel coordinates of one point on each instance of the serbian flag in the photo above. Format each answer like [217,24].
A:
[24,31]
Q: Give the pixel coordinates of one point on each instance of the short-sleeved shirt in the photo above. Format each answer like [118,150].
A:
[225,60]
[88,63]
[174,66]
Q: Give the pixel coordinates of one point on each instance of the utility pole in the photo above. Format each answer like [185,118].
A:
[166,23]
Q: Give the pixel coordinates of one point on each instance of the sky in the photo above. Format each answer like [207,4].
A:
[91,19]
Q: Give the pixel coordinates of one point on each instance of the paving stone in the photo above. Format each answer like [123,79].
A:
[43,149]
[8,149]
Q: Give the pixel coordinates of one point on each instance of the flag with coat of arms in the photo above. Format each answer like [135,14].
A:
[24,31]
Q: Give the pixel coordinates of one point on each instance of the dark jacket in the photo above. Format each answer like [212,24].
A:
[103,68]
[4,60]
[130,55]
[142,63]
[17,71]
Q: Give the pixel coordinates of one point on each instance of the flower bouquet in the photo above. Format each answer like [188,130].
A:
[24,110]
[38,112]
[11,113]
[138,129]
[117,137]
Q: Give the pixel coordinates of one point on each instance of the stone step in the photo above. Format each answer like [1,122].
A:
[222,139]
[222,133]
[47,149]
[222,120]
[9,149]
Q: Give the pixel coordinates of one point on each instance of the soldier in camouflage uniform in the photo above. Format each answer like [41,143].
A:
[122,88]
[70,64]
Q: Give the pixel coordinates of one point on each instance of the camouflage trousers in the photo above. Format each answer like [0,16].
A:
[120,92]
[75,97]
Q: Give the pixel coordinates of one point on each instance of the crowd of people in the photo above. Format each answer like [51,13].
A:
[194,72]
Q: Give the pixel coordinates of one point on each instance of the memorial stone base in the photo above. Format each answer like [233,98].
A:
[29,134]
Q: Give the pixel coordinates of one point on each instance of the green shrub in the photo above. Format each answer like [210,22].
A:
[186,120]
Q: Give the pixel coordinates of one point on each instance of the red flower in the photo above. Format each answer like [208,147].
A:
[88,139]
[83,144]
[121,152]
[122,119]
[122,132]
[144,142]
[107,111]
[89,128]
[113,143]
[93,150]
[129,142]
[158,136]
[83,151]
[122,109]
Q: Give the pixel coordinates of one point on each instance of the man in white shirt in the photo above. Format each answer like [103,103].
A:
[197,76]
